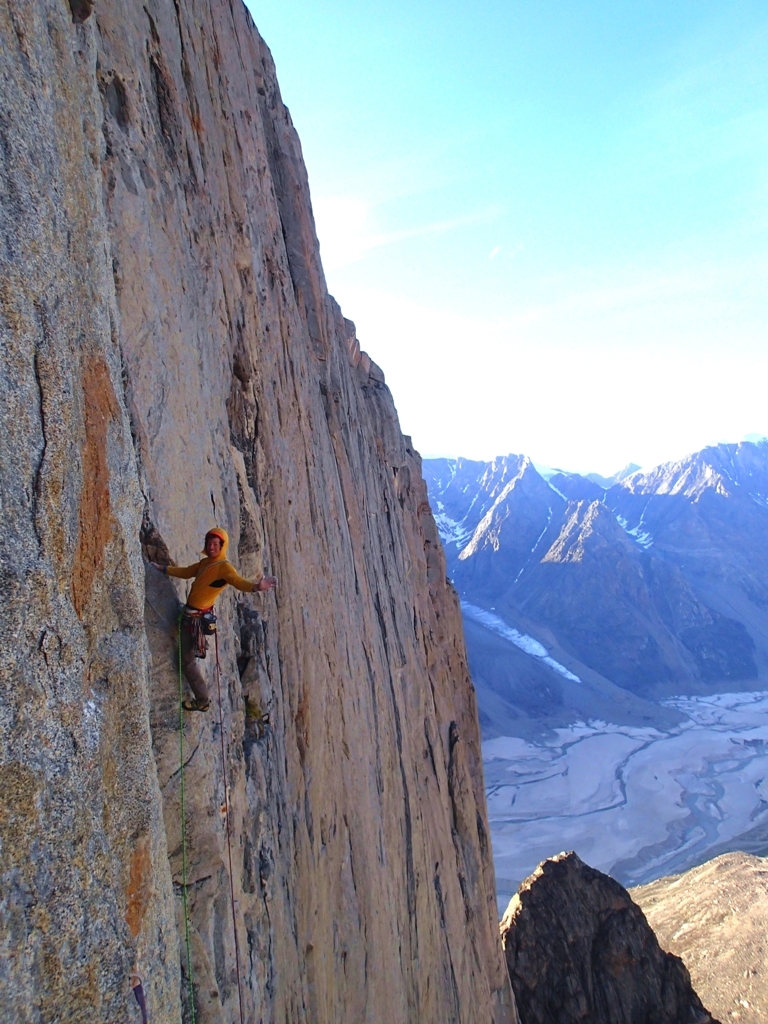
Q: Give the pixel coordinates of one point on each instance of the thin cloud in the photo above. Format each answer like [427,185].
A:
[431,229]
[346,232]
[705,291]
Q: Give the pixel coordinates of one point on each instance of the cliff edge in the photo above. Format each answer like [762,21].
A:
[171,360]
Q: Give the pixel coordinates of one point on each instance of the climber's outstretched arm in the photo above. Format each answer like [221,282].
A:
[229,573]
[180,572]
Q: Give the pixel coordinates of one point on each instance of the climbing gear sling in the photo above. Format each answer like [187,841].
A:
[138,991]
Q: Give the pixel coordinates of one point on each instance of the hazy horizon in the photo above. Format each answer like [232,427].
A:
[583,471]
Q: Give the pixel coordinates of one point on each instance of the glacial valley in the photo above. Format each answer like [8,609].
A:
[618,640]
[635,803]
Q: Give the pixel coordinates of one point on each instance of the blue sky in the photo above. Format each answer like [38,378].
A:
[547,219]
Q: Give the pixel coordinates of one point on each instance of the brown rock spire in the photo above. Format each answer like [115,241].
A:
[579,950]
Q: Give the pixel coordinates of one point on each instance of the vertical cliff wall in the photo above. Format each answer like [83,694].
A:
[171,361]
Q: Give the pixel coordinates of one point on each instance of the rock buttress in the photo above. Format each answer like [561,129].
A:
[174,230]
[578,949]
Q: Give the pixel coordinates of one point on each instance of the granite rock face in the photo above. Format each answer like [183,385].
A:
[579,949]
[85,888]
[172,360]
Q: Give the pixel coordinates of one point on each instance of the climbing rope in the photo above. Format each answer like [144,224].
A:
[229,842]
[184,832]
[184,837]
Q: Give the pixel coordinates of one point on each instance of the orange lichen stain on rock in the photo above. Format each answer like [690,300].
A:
[139,887]
[95,520]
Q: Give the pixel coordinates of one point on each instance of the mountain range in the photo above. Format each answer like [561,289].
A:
[600,597]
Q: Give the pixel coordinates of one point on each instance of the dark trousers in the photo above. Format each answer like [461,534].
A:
[189,663]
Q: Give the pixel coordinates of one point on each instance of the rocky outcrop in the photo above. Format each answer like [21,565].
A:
[522,520]
[620,610]
[716,918]
[171,360]
[579,949]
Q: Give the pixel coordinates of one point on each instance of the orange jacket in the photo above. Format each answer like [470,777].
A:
[211,575]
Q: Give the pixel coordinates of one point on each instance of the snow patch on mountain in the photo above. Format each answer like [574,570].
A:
[556,490]
[522,640]
[451,531]
[538,541]
[643,537]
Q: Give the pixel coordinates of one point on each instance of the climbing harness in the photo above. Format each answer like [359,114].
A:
[184,836]
[226,819]
[208,627]
[199,624]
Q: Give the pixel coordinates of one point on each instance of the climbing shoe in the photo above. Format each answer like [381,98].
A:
[195,705]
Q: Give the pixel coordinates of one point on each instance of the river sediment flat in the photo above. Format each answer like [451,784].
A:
[636,803]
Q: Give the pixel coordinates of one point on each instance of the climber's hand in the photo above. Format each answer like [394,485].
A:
[156,565]
[266,583]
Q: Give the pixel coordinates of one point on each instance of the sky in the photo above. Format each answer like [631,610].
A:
[547,218]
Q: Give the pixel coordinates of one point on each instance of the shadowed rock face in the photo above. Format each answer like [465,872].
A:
[578,949]
[171,360]
[715,916]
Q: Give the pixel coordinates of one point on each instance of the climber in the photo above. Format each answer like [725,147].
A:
[211,574]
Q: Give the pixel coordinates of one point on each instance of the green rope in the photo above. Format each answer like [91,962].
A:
[184,836]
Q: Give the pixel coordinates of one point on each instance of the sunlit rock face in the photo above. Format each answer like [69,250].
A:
[653,582]
[172,360]
[715,917]
[578,949]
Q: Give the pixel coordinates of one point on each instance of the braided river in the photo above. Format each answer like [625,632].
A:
[637,803]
